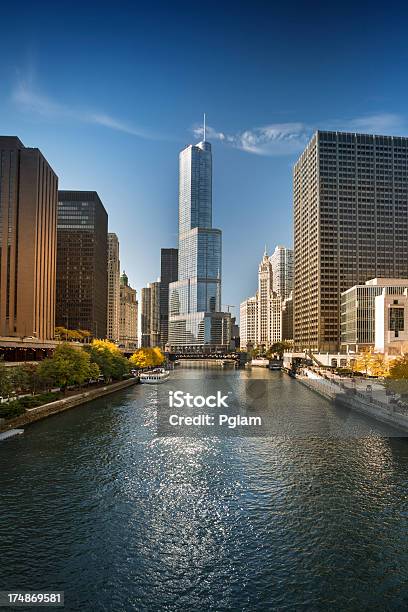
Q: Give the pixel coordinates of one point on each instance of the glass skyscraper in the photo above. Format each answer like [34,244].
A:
[195,317]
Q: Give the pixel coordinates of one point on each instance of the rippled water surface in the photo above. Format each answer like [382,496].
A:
[94,504]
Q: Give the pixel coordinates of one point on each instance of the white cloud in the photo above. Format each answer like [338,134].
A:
[29,99]
[291,138]
[381,123]
[273,139]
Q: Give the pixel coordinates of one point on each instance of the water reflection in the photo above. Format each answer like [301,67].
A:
[95,504]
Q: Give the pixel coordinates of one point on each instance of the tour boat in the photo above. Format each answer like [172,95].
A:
[154,376]
[260,362]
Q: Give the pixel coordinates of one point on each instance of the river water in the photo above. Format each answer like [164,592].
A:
[311,515]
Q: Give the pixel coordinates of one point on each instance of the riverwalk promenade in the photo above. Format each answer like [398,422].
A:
[365,396]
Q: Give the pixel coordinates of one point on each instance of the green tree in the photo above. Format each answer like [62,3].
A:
[33,381]
[19,378]
[68,366]
[5,379]
[278,348]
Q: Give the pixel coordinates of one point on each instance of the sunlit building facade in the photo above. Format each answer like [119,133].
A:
[261,315]
[113,288]
[358,311]
[128,315]
[282,271]
[195,318]
[350,225]
[28,232]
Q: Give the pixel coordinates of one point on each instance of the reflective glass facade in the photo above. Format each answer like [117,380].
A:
[195,299]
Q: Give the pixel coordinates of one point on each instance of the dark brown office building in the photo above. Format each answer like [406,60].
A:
[168,274]
[28,216]
[82,259]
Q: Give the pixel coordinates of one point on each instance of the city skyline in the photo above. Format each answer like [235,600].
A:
[258,123]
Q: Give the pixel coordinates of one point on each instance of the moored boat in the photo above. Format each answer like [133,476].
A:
[260,362]
[154,377]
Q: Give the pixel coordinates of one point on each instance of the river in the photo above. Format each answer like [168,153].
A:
[309,515]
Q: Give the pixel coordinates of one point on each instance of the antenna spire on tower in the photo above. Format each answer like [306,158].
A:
[204,129]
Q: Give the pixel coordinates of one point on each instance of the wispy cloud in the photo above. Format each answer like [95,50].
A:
[290,138]
[30,99]
[272,139]
[380,123]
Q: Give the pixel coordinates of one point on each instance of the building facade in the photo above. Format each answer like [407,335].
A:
[282,271]
[168,274]
[128,312]
[391,322]
[350,225]
[114,297]
[196,322]
[28,230]
[358,311]
[287,318]
[261,315]
[155,313]
[145,316]
[82,261]
[248,323]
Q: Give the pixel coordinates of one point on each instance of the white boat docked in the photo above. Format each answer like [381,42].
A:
[260,362]
[154,376]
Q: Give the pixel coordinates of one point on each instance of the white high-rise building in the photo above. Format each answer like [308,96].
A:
[113,288]
[261,315]
[282,271]
[247,315]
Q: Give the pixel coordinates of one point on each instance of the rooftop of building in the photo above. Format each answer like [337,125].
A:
[380,282]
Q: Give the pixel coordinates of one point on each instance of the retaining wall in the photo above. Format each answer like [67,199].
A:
[41,412]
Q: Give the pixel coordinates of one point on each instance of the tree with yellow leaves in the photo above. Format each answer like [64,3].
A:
[111,362]
[147,357]
[363,361]
[378,365]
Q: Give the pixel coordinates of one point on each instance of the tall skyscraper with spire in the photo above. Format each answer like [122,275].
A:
[195,318]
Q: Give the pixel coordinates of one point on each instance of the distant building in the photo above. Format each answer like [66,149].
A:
[235,339]
[287,318]
[350,225]
[358,311]
[261,315]
[82,261]
[145,316]
[282,271]
[391,322]
[168,274]
[196,322]
[28,204]
[248,323]
[113,288]
[154,314]
[128,315]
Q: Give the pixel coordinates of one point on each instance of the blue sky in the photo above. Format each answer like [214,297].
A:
[110,94]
